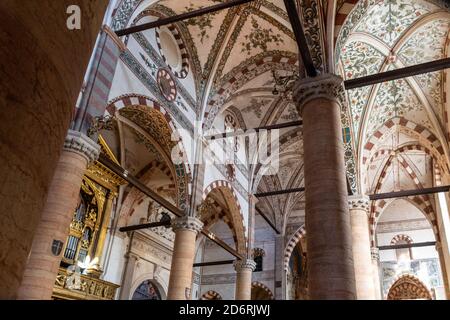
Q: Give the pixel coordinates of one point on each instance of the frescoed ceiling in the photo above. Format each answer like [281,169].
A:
[386,35]
[235,51]
[240,47]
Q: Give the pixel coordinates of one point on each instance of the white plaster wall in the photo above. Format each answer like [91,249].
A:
[125,82]
[114,268]
[223,274]
[426,235]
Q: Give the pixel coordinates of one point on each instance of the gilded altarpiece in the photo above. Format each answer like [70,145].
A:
[80,272]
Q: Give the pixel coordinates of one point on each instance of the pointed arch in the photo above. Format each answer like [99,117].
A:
[291,244]
[261,292]
[234,212]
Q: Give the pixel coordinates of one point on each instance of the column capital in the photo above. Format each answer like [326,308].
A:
[327,86]
[80,143]
[239,265]
[438,246]
[375,253]
[187,223]
[358,202]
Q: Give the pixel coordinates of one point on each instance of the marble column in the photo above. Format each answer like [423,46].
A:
[186,230]
[244,270]
[440,252]
[128,276]
[359,217]
[53,228]
[330,257]
[42,67]
[280,272]
[375,255]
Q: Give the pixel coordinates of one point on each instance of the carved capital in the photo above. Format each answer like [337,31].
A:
[358,202]
[375,253]
[239,265]
[327,86]
[80,143]
[438,246]
[187,223]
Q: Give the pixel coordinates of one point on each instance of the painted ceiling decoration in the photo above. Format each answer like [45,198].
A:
[232,59]
[177,63]
[415,32]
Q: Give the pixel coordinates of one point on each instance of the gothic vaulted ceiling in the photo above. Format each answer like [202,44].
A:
[385,35]
[234,52]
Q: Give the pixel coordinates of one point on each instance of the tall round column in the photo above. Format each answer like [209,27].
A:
[440,251]
[186,230]
[359,209]
[53,228]
[375,255]
[244,270]
[330,256]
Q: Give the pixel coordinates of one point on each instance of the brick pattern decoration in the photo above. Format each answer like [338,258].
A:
[96,90]
[437,175]
[183,72]
[423,205]
[219,213]
[401,238]
[136,99]
[211,295]
[290,246]
[256,284]
[246,73]
[423,202]
[383,152]
[341,15]
[237,223]
[408,286]
[400,121]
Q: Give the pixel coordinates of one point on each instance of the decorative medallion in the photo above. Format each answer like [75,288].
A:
[167,85]
[172,50]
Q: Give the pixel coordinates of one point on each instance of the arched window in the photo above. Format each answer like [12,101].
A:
[258,257]
[146,291]
[402,254]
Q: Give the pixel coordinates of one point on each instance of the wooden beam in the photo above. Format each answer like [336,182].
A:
[181,17]
[408,245]
[211,236]
[268,127]
[408,193]
[267,220]
[145,226]
[398,73]
[213,263]
[302,44]
[117,169]
[275,193]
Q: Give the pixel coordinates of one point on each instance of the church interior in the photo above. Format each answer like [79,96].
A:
[225,150]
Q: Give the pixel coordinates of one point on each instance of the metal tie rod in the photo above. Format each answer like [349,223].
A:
[180,17]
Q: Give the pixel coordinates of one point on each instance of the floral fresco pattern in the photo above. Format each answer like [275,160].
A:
[358,60]
[396,15]
[396,99]
[427,44]
[259,38]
